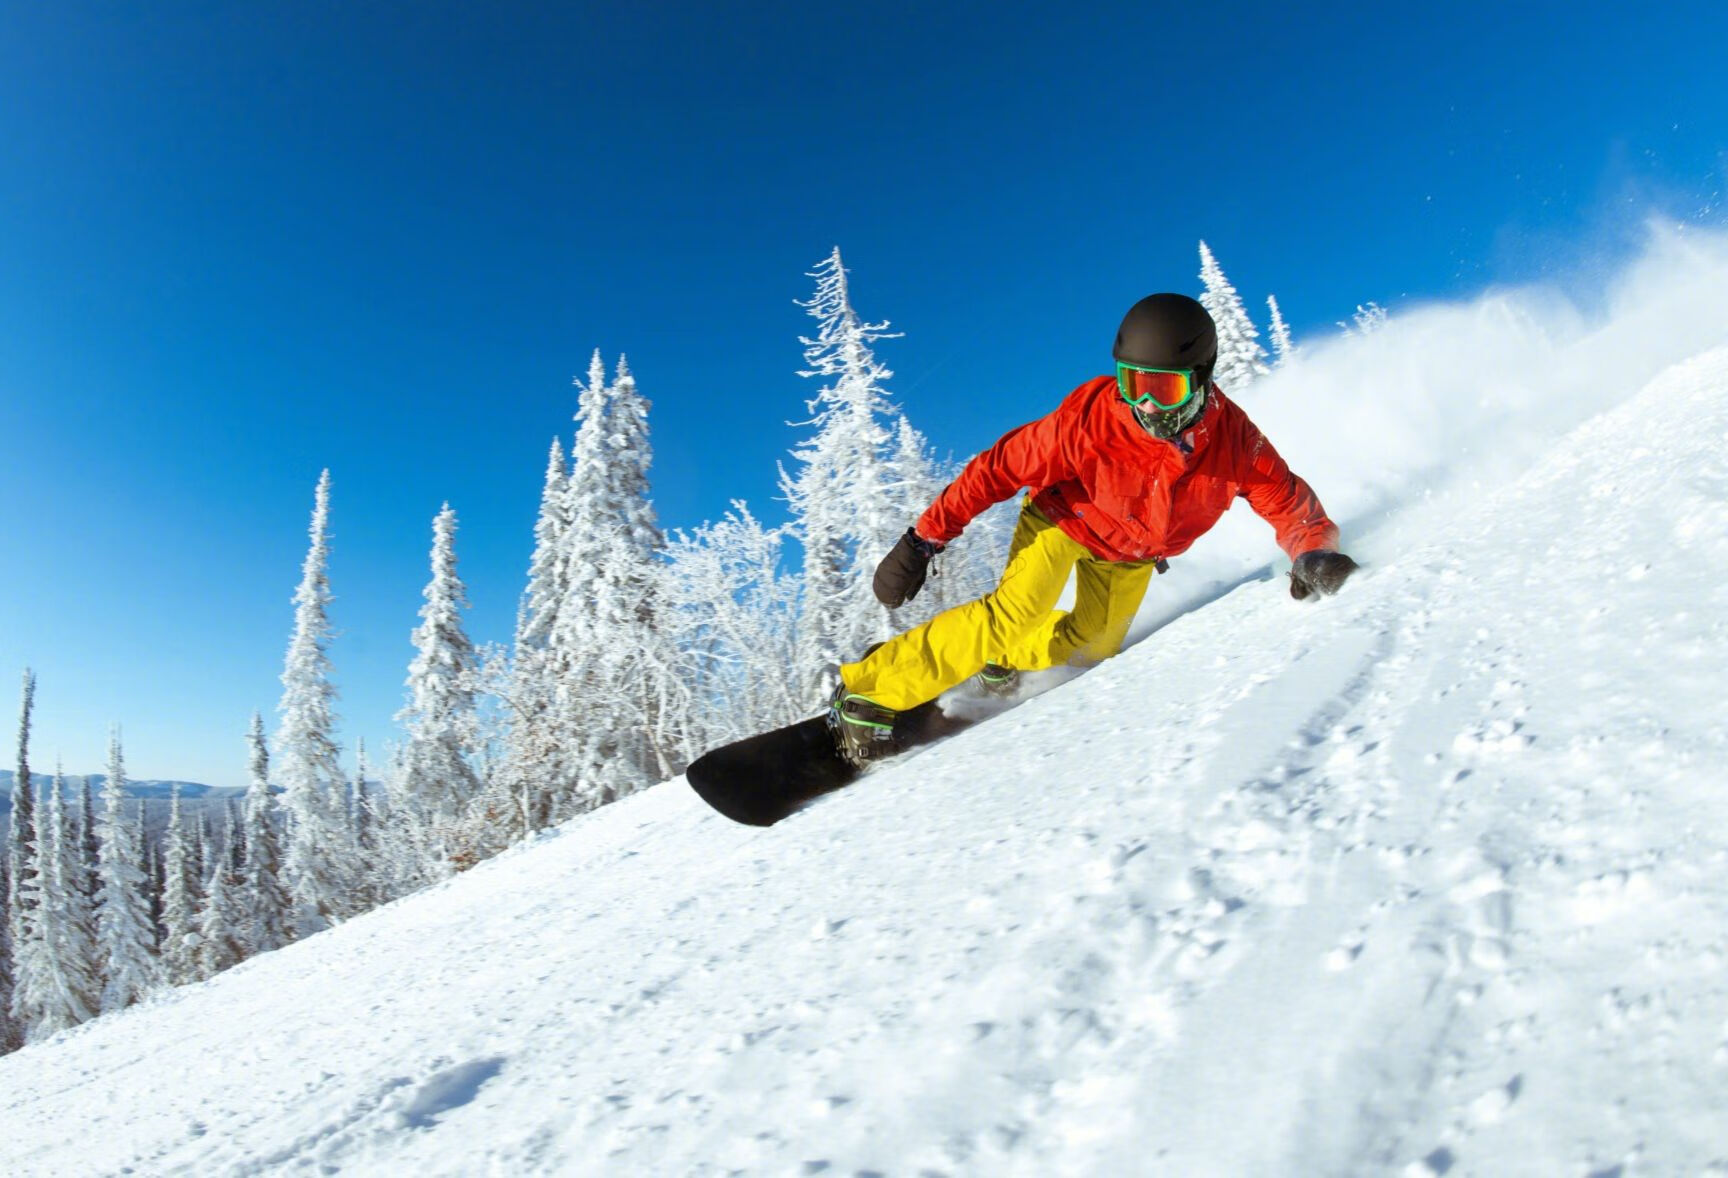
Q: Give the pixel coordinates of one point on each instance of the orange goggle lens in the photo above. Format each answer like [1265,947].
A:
[1164,388]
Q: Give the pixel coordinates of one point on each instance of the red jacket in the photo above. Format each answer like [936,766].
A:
[1126,495]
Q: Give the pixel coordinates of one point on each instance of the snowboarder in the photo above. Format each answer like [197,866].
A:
[1127,472]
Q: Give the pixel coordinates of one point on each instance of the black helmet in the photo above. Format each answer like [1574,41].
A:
[1169,331]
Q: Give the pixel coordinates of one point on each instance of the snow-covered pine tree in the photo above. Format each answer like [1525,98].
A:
[534,761]
[577,642]
[842,497]
[84,863]
[152,877]
[23,790]
[221,915]
[317,860]
[200,849]
[124,934]
[643,666]
[11,1037]
[1283,350]
[362,821]
[72,880]
[22,854]
[437,780]
[28,949]
[360,814]
[264,900]
[90,848]
[1241,359]
[61,980]
[24,879]
[181,897]
[234,811]
[34,966]
[601,638]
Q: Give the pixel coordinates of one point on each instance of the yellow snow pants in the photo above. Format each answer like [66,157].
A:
[1017,625]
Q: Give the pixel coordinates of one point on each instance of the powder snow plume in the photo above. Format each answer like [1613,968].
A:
[1460,392]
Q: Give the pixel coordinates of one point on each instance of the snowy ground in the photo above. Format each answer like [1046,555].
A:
[1426,879]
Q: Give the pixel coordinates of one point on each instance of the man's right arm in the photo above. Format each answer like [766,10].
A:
[1029,456]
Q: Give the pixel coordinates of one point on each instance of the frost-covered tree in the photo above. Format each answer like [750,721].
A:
[534,757]
[23,881]
[33,962]
[601,640]
[200,850]
[1241,359]
[125,937]
[1283,350]
[360,812]
[233,811]
[491,710]
[264,901]
[63,984]
[181,898]
[404,857]
[437,779]
[11,1036]
[845,505]
[90,849]
[642,665]
[152,877]
[75,912]
[318,856]
[24,891]
[1369,317]
[81,865]
[373,800]
[500,815]
[222,914]
[568,632]
[731,614]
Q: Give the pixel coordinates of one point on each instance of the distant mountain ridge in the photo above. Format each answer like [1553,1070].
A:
[134,789]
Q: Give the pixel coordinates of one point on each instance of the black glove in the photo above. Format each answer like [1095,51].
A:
[1319,571]
[901,573]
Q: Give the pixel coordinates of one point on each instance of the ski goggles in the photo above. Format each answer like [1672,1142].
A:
[1155,388]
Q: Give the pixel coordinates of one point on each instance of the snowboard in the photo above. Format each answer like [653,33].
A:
[761,779]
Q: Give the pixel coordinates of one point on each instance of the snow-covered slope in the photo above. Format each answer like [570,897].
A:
[1428,878]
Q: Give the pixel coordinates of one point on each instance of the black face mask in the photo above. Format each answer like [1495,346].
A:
[1169,423]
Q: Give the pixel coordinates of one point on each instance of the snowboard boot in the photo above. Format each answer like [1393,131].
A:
[997,680]
[863,729]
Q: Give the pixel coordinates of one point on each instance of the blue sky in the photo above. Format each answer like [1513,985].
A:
[248,241]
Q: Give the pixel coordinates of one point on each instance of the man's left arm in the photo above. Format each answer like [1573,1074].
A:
[1283,499]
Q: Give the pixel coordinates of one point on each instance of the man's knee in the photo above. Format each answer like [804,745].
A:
[1010,620]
